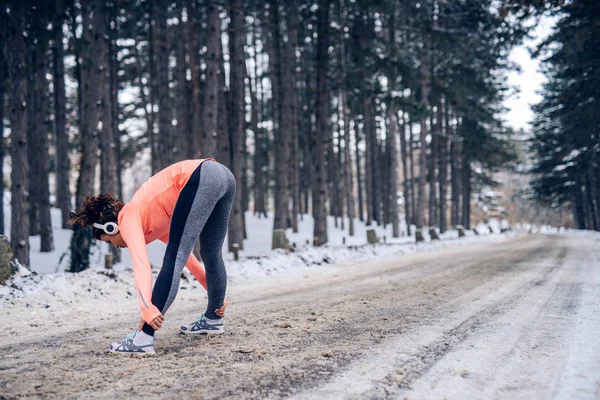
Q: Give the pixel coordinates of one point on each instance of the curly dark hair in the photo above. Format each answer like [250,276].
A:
[102,209]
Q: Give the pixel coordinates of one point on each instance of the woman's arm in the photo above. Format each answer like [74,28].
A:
[192,264]
[133,234]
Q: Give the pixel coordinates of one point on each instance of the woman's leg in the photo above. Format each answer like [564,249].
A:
[211,246]
[207,185]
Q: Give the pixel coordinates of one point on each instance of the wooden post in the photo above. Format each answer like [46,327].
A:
[108,261]
[433,234]
[371,236]
[236,251]
[419,236]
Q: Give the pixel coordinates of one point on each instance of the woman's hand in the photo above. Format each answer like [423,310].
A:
[221,311]
[156,323]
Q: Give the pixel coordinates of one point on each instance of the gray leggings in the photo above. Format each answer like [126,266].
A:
[202,209]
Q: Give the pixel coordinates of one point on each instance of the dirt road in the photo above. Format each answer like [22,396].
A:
[517,318]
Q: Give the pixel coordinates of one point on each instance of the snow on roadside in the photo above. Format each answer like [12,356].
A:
[98,288]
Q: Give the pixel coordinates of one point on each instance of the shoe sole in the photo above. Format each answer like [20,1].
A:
[133,354]
[202,332]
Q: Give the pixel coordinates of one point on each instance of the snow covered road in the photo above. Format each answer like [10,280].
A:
[517,318]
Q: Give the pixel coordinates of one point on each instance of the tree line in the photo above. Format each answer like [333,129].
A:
[566,137]
[343,108]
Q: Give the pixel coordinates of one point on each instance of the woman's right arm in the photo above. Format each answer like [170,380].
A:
[133,234]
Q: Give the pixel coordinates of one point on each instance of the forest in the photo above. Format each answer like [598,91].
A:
[385,111]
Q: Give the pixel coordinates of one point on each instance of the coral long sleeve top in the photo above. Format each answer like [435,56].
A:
[147,217]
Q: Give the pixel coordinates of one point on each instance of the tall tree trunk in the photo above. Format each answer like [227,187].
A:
[579,208]
[93,74]
[378,176]
[425,88]
[238,102]
[455,175]
[34,132]
[282,117]
[345,113]
[63,193]
[290,101]
[109,160]
[420,214]
[405,184]
[166,146]
[113,93]
[209,132]
[225,118]
[16,49]
[591,188]
[432,176]
[183,137]
[260,155]
[3,84]
[195,138]
[466,192]
[319,187]
[393,171]
[359,179]
[44,128]
[368,161]
[411,149]
[443,176]
[152,136]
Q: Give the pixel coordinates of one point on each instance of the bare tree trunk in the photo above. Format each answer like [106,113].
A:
[238,97]
[347,164]
[43,157]
[33,136]
[466,192]
[114,107]
[591,189]
[405,185]
[432,176]
[209,132]
[290,101]
[282,117]
[225,118]
[425,89]
[443,177]
[183,136]
[16,49]
[411,147]
[63,193]
[359,180]
[93,75]
[109,182]
[162,48]
[368,161]
[319,192]
[92,68]
[393,171]
[3,85]
[195,139]
[260,155]
[152,136]
[455,175]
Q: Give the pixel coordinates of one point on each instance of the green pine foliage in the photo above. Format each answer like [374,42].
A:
[566,137]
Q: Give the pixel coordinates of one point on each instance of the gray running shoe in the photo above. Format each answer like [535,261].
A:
[127,346]
[204,326]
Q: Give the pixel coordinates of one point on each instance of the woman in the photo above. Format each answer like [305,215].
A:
[187,200]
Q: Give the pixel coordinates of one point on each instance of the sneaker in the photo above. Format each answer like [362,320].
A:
[128,346]
[204,325]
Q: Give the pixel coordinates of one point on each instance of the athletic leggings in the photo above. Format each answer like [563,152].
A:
[202,209]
